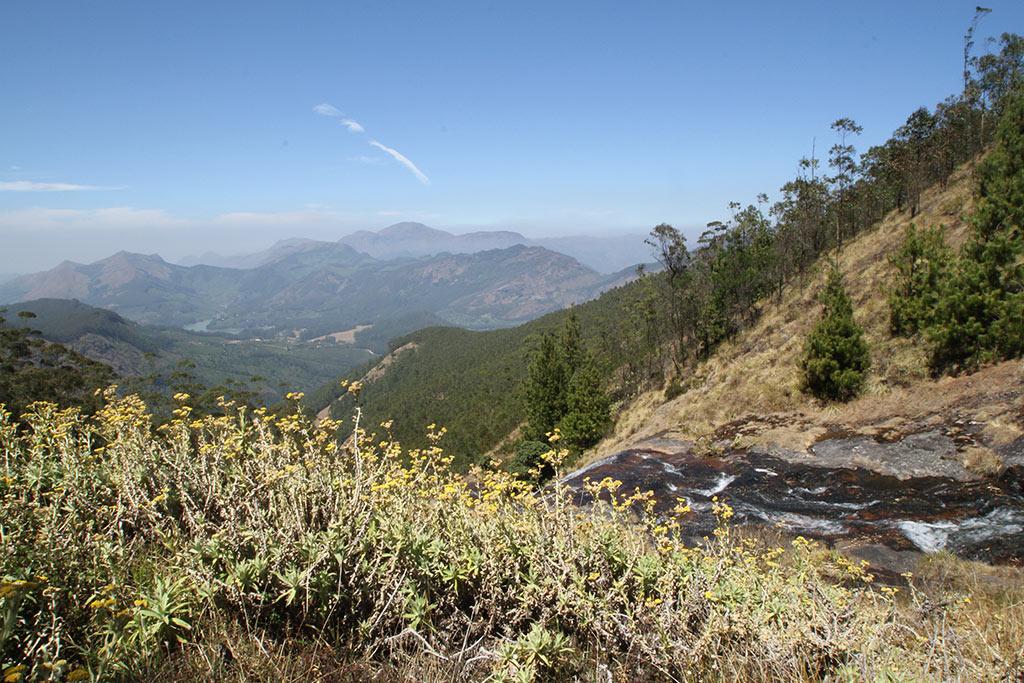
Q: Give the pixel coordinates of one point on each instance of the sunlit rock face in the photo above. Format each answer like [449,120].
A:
[834,496]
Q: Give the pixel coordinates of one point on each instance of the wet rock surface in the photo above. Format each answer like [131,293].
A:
[924,454]
[912,497]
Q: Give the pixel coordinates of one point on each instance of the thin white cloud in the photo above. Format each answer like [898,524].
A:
[402,159]
[325,109]
[333,112]
[353,126]
[330,110]
[32,186]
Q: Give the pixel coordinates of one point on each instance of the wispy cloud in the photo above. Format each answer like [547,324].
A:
[325,109]
[353,126]
[329,110]
[32,186]
[403,160]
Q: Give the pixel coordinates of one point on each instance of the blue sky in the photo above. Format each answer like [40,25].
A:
[184,126]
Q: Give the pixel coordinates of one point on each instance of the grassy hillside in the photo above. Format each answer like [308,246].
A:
[756,375]
[471,381]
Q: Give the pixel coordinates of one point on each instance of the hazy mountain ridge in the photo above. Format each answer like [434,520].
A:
[416,240]
[324,287]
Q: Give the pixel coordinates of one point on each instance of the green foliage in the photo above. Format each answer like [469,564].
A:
[32,369]
[209,546]
[588,408]
[527,463]
[545,392]
[836,357]
[979,316]
[565,391]
[922,268]
[160,361]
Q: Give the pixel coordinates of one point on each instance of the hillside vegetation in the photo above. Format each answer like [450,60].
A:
[758,372]
[250,546]
[33,369]
[758,273]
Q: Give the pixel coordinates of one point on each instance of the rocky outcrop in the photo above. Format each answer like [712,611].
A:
[903,495]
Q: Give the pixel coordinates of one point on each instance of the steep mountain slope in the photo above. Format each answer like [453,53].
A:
[277,251]
[140,287]
[486,289]
[322,288]
[758,372]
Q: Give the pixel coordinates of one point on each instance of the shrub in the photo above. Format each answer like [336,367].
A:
[232,547]
[528,464]
[836,357]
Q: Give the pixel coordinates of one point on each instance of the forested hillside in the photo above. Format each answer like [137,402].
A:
[32,369]
[655,335]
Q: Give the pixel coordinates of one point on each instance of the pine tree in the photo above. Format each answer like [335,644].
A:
[836,357]
[564,389]
[587,406]
[922,270]
[545,389]
[980,316]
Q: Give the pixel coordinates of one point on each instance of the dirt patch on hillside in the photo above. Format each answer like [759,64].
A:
[343,337]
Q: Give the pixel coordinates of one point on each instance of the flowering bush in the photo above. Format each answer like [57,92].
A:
[200,548]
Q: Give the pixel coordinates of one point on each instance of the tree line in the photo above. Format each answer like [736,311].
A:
[705,295]
[967,308]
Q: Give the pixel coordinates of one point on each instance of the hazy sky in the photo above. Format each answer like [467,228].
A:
[183,126]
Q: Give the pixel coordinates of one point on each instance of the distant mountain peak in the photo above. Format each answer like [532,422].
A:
[411,229]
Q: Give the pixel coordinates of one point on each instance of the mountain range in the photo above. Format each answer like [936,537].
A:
[306,288]
[413,240]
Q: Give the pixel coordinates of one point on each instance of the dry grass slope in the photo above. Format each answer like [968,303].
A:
[757,373]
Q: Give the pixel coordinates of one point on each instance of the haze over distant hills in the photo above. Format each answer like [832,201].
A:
[310,288]
[409,240]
